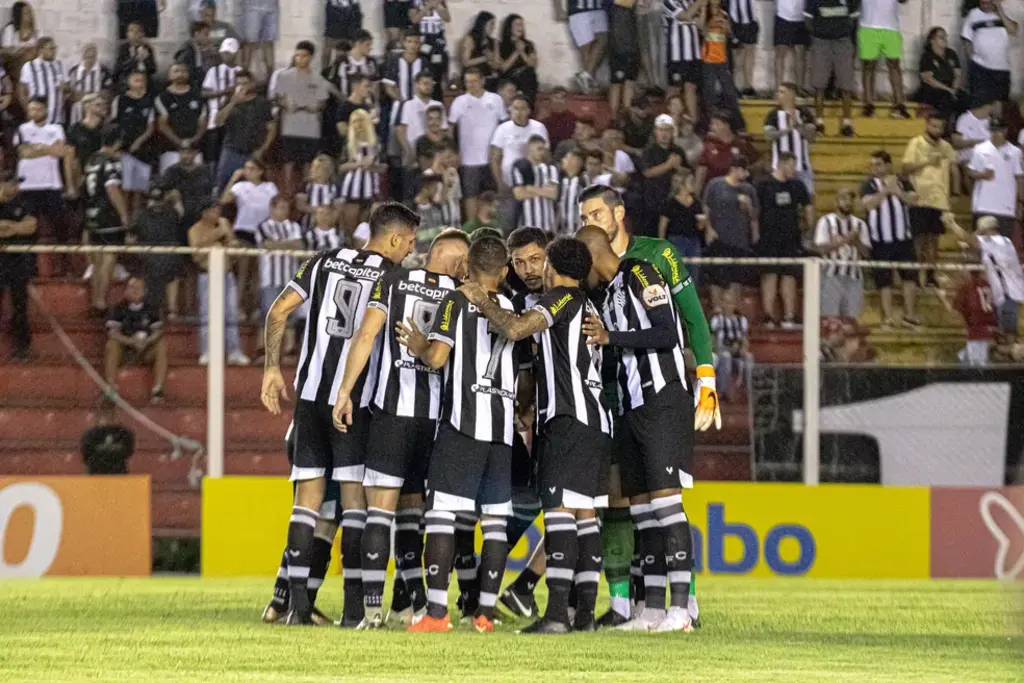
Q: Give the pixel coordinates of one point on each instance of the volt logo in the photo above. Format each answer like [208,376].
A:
[752,547]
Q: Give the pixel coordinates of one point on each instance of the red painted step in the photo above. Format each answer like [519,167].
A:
[164,471]
[177,511]
[722,463]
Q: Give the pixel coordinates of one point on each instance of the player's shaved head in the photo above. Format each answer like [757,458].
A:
[596,240]
[488,256]
[450,238]
[448,253]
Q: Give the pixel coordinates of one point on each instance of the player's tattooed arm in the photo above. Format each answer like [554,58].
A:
[511,326]
[274,389]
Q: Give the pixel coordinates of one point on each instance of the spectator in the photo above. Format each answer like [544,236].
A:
[719,90]
[733,361]
[560,122]
[479,50]
[507,91]
[974,303]
[41,147]
[195,8]
[193,53]
[323,233]
[928,162]
[637,125]
[17,226]
[832,24]
[486,209]
[361,166]
[19,39]
[45,77]
[593,168]
[343,21]
[588,26]
[745,31]
[159,223]
[362,234]
[399,86]
[218,86]
[446,165]
[135,331]
[134,111]
[396,19]
[106,213]
[941,76]
[428,189]
[571,184]
[732,209]
[320,190]
[972,129]
[584,139]
[303,95]
[879,36]
[617,166]
[357,100]
[683,49]
[134,55]
[998,179]
[249,127]
[258,24]
[83,140]
[357,62]
[412,120]
[784,201]
[145,13]
[841,238]
[87,78]
[219,32]
[791,128]
[720,146]
[251,191]
[107,447]
[659,163]
[518,57]
[686,136]
[213,230]
[277,234]
[791,40]
[431,16]
[986,34]
[535,187]
[194,182]
[682,220]
[624,53]
[886,198]
[181,116]
[508,145]
[476,114]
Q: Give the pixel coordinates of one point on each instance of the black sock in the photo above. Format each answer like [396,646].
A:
[376,551]
[654,567]
[465,559]
[318,566]
[409,557]
[560,548]
[300,551]
[353,522]
[280,599]
[523,517]
[526,582]
[639,514]
[437,558]
[588,566]
[675,531]
[493,556]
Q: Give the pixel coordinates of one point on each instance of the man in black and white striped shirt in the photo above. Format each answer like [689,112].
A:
[842,238]
[322,232]
[278,233]
[733,360]
[87,78]
[682,46]
[535,186]
[218,87]
[886,198]
[792,129]
[406,405]
[571,184]
[45,77]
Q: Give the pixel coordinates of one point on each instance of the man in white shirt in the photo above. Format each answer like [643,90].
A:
[971,129]
[411,123]
[997,169]
[45,77]
[879,35]
[508,145]
[476,115]
[986,33]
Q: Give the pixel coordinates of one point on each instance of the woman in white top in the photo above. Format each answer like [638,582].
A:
[361,169]
[18,39]
[252,194]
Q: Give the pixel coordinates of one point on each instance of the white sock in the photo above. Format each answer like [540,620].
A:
[691,607]
[620,606]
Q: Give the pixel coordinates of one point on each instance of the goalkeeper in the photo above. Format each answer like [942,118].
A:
[602,207]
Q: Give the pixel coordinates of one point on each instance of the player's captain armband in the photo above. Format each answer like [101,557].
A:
[446,316]
[654,296]
[673,263]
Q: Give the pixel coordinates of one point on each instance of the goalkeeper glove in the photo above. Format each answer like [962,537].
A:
[705,399]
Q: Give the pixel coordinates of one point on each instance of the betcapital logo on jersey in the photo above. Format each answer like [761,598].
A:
[422,290]
[360,273]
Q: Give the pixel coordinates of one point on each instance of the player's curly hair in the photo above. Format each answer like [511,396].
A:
[488,256]
[570,258]
[390,215]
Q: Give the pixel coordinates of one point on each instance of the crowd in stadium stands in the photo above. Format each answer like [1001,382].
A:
[209,154]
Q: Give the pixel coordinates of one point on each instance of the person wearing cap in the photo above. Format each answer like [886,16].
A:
[658,163]
[998,173]
[218,85]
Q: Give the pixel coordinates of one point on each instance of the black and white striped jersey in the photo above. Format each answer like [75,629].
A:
[792,141]
[538,212]
[682,38]
[889,222]
[358,184]
[319,239]
[729,330]
[402,75]
[630,301]
[277,267]
[568,369]
[338,285]
[44,79]
[318,194]
[581,6]
[841,262]
[742,11]
[568,204]
[220,78]
[480,377]
[405,386]
[431,27]
[85,82]
[344,71]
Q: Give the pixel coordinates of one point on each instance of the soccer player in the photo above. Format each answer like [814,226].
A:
[470,464]
[338,285]
[106,210]
[406,405]
[654,450]
[574,428]
[602,206]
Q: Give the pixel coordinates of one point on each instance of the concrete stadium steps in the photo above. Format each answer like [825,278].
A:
[842,155]
[90,337]
[880,125]
[930,346]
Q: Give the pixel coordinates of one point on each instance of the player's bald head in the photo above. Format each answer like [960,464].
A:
[597,241]
[449,241]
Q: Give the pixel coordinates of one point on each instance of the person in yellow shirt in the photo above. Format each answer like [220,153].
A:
[929,162]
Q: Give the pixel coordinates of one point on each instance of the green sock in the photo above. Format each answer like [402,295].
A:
[693,583]
[617,537]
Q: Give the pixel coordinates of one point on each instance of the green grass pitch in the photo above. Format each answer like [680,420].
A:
[189,629]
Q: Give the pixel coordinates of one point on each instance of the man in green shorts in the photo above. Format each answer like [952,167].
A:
[879,36]
[601,206]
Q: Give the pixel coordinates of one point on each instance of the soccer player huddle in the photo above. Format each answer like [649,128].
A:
[438,398]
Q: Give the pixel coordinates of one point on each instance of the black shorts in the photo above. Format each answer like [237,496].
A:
[724,276]
[321,450]
[247,238]
[791,33]
[330,508]
[107,237]
[924,220]
[623,66]
[572,465]
[902,252]
[396,15]
[476,180]
[779,246]
[987,85]
[342,23]
[685,72]
[398,451]
[745,34]
[144,13]
[523,470]
[466,474]
[299,150]
[654,445]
